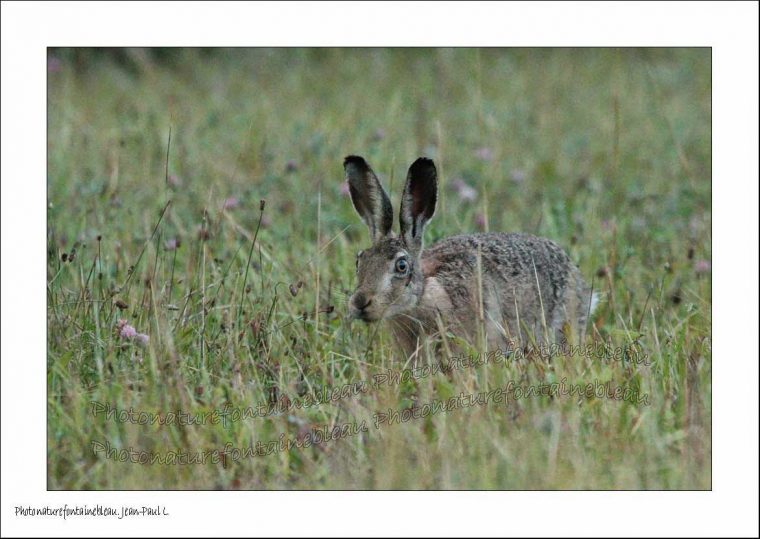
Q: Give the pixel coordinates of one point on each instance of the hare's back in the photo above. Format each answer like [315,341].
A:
[519,279]
[513,254]
[512,262]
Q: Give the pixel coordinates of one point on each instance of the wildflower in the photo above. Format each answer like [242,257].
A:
[484,154]
[125,330]
[171,244]
[231,203]
[518,175]
[465,191]
[702,266]
[344,189]
[54,64]
[128,332]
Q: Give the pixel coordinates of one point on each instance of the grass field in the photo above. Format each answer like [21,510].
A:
[170,289]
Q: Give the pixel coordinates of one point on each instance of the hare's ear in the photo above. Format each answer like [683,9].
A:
[418,201]
[369,197]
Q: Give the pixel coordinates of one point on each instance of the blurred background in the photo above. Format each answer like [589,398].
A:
[532,132]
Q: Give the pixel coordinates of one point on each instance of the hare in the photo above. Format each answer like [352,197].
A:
[509,286]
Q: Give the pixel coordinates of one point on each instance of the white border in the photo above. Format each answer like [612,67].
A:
[730,28]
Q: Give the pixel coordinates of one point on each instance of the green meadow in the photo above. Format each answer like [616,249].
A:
[201,250]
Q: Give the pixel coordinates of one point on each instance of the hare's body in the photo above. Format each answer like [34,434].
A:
[504,283]
[504,287]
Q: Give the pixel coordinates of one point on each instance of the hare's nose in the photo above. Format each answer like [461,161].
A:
[361,302]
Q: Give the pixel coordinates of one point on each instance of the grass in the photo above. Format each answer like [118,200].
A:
[606,152]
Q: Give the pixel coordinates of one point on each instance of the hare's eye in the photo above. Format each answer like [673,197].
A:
[402,265]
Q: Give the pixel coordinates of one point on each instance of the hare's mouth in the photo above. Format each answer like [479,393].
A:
[363,315]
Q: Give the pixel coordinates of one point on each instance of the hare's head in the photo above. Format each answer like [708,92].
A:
[390,279]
